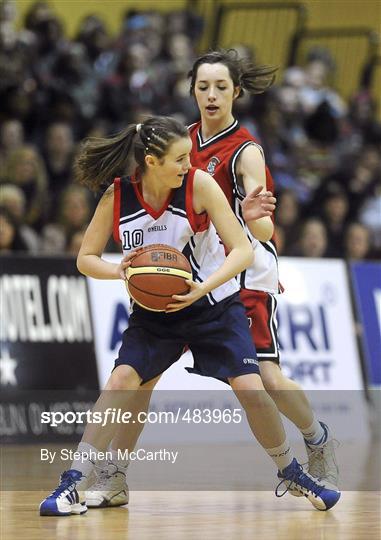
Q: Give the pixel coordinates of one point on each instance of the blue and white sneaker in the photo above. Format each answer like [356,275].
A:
[65,500]
[295,479]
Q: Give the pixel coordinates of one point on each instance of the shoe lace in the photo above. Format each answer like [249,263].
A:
[104,475]
[299,477]
[319,463]
[66,482]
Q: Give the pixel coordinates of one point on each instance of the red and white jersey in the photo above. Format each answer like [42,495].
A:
[176,224]
[218,156]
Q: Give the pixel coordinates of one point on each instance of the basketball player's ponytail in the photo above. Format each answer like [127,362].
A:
[255,79]
[103,159]
[244,73]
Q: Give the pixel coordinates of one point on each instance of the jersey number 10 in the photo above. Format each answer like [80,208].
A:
[132,239]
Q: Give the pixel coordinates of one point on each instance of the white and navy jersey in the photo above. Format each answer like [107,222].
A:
[176,224]
[218,156]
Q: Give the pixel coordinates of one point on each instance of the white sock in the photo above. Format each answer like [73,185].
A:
[85,463]
[281,455]
[314,434]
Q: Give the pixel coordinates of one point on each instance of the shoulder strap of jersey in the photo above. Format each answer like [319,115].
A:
[199,222]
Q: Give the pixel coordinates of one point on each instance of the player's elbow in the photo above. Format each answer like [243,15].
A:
[264,237]
[247,253]
[80,264]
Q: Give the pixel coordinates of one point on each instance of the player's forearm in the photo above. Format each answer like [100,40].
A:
[238,260]
[95,267]
[262,229]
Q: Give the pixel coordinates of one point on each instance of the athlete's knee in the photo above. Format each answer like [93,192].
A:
[123,378]
[251,393]
[258,401]
[272,378]
[273,383]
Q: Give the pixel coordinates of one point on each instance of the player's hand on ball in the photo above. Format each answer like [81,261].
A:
[184,300]
[257,205]
[124,264]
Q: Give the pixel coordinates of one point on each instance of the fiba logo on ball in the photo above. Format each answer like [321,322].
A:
[157,255]
[211,168]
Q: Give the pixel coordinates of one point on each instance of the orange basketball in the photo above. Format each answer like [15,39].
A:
[156,273]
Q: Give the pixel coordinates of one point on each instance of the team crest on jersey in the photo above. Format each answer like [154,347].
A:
[212,165]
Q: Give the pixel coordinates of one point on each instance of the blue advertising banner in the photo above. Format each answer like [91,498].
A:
[367,288]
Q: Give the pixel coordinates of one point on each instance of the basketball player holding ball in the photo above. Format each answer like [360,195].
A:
[236,161]
[166,191]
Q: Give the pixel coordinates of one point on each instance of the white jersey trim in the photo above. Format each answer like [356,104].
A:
[215,137]
[131,217]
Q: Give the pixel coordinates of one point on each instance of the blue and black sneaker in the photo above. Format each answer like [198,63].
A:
[295,479]
[65,500]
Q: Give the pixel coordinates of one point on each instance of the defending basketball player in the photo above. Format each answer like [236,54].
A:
[236,161]
[166,190]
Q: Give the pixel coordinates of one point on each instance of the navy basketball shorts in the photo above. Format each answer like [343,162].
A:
[261,311]
[218,336]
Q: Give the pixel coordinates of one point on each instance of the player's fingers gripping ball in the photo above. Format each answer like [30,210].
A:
[155,274]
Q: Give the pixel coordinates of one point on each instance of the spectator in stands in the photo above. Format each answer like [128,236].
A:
[14,50]
[130,87]
[58,155]
[48,33]
[357,242]
[185,21]
[10,238]
[73,80]
[361,185]
[74,214]
[50,42]
[365,129]
[335,216]
[93,35]
[179,59]
[316,90]
[136,25]
[318,106]
[17,85]
[287,217]
[13,199]
[25,169]
[313,239]
[287,95]
[11,138]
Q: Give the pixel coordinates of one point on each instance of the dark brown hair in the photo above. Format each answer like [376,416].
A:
[243,73]
[102,159]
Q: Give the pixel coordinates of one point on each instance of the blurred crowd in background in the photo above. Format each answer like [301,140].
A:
[324,152]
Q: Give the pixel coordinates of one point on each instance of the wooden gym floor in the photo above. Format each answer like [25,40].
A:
[193,515]
[197,515]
